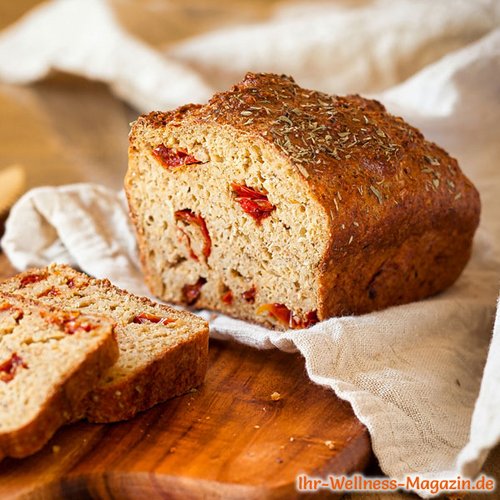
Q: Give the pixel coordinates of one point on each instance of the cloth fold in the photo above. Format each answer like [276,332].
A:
[83,225]
[424,377]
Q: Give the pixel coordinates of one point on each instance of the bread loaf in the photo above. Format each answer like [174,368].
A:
[163,351]
[50,359]
[286,206]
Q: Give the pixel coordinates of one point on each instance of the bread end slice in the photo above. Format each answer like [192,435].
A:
[172,374]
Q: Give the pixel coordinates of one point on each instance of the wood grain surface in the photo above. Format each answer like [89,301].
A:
[228,439]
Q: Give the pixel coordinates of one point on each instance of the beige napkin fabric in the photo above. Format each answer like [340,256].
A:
[425,377]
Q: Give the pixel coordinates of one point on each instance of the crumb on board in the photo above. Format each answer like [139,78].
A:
[275,396]
[56,449]
[172,450]
[256,426]
[330,444]
[292,439]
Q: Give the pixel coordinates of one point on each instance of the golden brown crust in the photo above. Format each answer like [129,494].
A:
[401,213]
[65,401]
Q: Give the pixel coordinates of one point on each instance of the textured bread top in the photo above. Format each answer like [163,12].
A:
[367,168]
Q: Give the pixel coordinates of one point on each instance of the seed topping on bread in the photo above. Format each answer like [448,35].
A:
[313,127]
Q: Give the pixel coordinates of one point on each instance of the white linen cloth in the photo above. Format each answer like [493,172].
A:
[424,377]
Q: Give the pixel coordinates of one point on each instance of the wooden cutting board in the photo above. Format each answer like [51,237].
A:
[229,439]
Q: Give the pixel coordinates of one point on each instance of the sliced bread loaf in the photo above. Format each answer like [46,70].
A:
[163,351]
[286,206]
[49,361]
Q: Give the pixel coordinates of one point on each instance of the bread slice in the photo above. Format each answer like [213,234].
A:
[49,361]
[163,351]
[285,206]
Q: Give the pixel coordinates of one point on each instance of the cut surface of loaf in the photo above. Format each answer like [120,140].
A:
[163,351]
[285,206]
[50,359]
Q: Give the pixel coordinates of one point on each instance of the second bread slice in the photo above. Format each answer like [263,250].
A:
[163,351]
